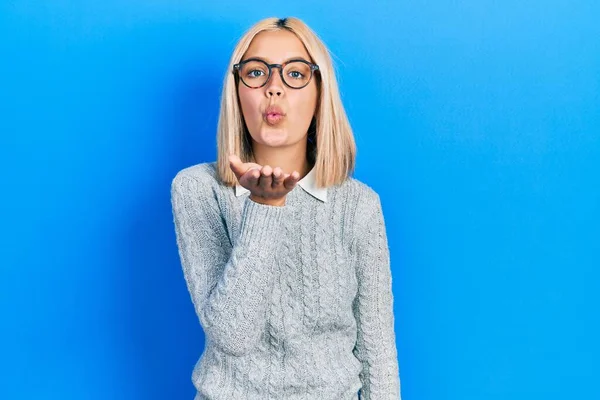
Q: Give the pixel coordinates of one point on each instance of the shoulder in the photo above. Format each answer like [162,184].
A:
[364,195]
[365,204]
[203,173]
[201,178]
[197,184]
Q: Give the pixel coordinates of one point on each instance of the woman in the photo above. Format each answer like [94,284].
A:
[285,255]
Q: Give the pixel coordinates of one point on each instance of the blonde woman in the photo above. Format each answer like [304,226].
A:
[284,253]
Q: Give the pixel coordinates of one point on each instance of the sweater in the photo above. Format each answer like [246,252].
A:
[295,301]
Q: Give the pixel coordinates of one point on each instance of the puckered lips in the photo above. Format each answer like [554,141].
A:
[273,115]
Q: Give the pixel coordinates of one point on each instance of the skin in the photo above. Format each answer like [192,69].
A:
[280,150]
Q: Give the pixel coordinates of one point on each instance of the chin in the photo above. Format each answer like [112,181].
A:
[273,136]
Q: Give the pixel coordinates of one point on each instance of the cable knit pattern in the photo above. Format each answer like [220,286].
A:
[295,301]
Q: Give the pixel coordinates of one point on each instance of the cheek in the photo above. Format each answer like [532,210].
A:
[304,105]
[250,103]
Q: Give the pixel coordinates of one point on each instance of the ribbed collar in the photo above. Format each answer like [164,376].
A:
[308,183]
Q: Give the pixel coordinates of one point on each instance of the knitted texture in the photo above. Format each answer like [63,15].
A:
[295,301]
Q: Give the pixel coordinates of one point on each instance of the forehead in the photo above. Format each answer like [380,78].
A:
[276,47]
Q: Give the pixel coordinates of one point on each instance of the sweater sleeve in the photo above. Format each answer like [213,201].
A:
[229,287]
[373,309]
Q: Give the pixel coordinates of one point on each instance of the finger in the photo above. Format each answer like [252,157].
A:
[291,180]
[251,178]
[236,165]
[266,179]
[278,177]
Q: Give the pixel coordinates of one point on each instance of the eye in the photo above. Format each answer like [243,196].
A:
[296,74]
[252,73]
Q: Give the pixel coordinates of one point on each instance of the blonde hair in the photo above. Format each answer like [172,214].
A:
[332,149]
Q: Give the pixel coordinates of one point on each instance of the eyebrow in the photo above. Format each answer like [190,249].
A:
[284,61]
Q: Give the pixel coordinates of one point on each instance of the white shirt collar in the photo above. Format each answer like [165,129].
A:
[308,183]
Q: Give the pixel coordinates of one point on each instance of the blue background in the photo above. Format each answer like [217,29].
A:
[478,122]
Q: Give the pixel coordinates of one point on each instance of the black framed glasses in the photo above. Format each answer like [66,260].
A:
[255,73]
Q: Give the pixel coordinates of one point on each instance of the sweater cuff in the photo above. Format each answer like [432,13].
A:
[260,226]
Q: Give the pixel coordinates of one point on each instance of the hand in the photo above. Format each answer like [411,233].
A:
[266,185]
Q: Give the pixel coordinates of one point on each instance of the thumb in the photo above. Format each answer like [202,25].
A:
[236,165]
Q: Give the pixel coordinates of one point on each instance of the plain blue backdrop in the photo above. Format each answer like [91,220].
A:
[478,122]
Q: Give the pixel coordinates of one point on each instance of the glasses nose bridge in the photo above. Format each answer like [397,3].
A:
[271,70]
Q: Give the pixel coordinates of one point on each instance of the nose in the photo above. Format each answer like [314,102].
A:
[274,86]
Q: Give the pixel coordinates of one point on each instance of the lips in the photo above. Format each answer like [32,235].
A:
[273,115]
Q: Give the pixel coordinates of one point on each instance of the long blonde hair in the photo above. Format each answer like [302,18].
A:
[332,148]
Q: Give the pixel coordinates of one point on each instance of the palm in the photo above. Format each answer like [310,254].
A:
[263,181]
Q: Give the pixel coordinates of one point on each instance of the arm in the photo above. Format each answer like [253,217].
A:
[373,309]
[229,290]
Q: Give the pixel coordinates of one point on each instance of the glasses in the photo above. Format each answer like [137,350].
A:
[255,73]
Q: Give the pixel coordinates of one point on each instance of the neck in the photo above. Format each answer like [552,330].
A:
[289,158]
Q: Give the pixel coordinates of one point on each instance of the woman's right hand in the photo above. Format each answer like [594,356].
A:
[266,185]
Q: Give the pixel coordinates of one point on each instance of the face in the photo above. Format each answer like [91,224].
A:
[298,105]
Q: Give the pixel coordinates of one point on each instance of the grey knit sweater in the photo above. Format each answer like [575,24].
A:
[295,301]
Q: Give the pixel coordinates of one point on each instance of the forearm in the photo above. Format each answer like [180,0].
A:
[232,313]
[374,308]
